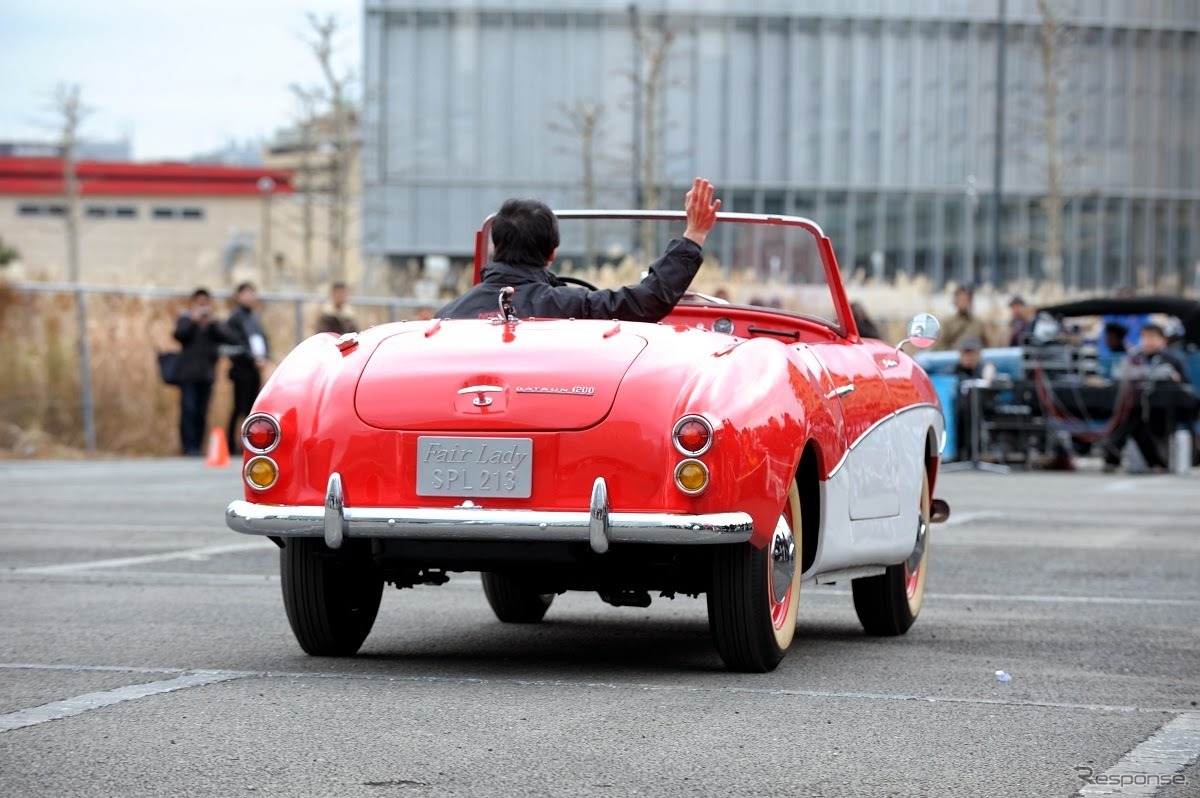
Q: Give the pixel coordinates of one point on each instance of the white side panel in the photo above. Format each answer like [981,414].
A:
[847,542]
[871,470]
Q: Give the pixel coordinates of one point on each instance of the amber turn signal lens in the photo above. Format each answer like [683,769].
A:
[261,473]
[260,433]
[691,476]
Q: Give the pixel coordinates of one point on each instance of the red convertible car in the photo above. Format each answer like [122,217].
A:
[730,450]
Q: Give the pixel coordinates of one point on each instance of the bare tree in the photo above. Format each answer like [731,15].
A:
[339,113]
[68,106]
[584,119]
[651,53]
[1050,37]
[307,117]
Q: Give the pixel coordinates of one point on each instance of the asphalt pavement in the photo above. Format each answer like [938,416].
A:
[144,650]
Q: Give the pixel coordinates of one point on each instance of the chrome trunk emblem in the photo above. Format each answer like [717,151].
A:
[482,399]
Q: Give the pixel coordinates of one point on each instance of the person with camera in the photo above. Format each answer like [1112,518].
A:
[201,335]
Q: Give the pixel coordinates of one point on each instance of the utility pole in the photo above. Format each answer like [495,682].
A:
[635,26]
[998,156]
[265,186]
[71,111]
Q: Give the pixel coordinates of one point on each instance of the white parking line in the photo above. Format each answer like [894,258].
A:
[106,698]
[982,515]
[221,675]
[121,562]
[1157,762]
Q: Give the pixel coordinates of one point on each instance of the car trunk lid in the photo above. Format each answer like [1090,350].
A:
[476,376]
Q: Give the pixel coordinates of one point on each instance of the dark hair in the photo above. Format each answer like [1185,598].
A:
[1154,328]
[243,286]
[339,285]
[201,293]
[525,233]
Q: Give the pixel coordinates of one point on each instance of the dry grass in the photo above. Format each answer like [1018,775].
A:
[40,406]
[135,414]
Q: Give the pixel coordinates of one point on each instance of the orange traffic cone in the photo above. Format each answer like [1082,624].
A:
[218,449]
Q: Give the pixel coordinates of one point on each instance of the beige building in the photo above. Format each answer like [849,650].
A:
[308,217]
[177,225]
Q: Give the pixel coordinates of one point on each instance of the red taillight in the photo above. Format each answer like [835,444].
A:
[693,435]
[260,434]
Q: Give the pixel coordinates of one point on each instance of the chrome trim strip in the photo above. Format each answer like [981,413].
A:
[712,434]
[870,429]
[274,422]
[480,524]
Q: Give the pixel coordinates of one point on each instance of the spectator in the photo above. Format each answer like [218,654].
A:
[247,357]
[963,324]
[1149,426]
[337,316]
[1021,324]
[1114,337]
[973,373]
[201,335]
[866,325]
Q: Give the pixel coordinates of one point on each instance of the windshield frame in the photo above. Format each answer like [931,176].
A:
[844,326]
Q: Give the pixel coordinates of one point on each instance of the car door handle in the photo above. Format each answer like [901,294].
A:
[841,391]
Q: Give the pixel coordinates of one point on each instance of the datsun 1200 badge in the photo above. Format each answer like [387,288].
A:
[735,451]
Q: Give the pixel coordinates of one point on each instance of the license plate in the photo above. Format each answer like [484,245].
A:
[475,467]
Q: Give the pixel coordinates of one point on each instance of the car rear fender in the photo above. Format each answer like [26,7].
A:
[766,406]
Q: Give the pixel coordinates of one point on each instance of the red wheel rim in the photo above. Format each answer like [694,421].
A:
[912,577]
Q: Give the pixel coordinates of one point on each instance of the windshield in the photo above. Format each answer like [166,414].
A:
[775,265]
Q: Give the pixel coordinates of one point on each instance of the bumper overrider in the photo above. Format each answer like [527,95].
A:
[599,526]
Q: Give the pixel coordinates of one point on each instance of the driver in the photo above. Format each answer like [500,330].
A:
[525,234]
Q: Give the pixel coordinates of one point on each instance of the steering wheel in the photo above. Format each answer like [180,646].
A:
[576,281]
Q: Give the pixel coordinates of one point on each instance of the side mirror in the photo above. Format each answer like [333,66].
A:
[923,331]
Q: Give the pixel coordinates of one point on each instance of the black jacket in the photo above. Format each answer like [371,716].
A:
[201,342]
[540,294]
[243,324]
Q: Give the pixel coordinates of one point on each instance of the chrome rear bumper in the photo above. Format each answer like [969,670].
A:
[599,526]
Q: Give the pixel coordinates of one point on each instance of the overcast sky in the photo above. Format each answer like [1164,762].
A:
[179,78]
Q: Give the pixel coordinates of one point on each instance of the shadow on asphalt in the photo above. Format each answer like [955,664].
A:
[631,646]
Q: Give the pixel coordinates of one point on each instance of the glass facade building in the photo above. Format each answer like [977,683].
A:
[876,118]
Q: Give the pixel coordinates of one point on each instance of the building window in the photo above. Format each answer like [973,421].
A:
[31,209]
[110,212]
[168,212]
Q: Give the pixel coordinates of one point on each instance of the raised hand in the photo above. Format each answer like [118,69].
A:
[701,210]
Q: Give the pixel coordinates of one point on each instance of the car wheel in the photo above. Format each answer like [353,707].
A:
[888,604]
[512,600]
[755,594]
[331,598]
